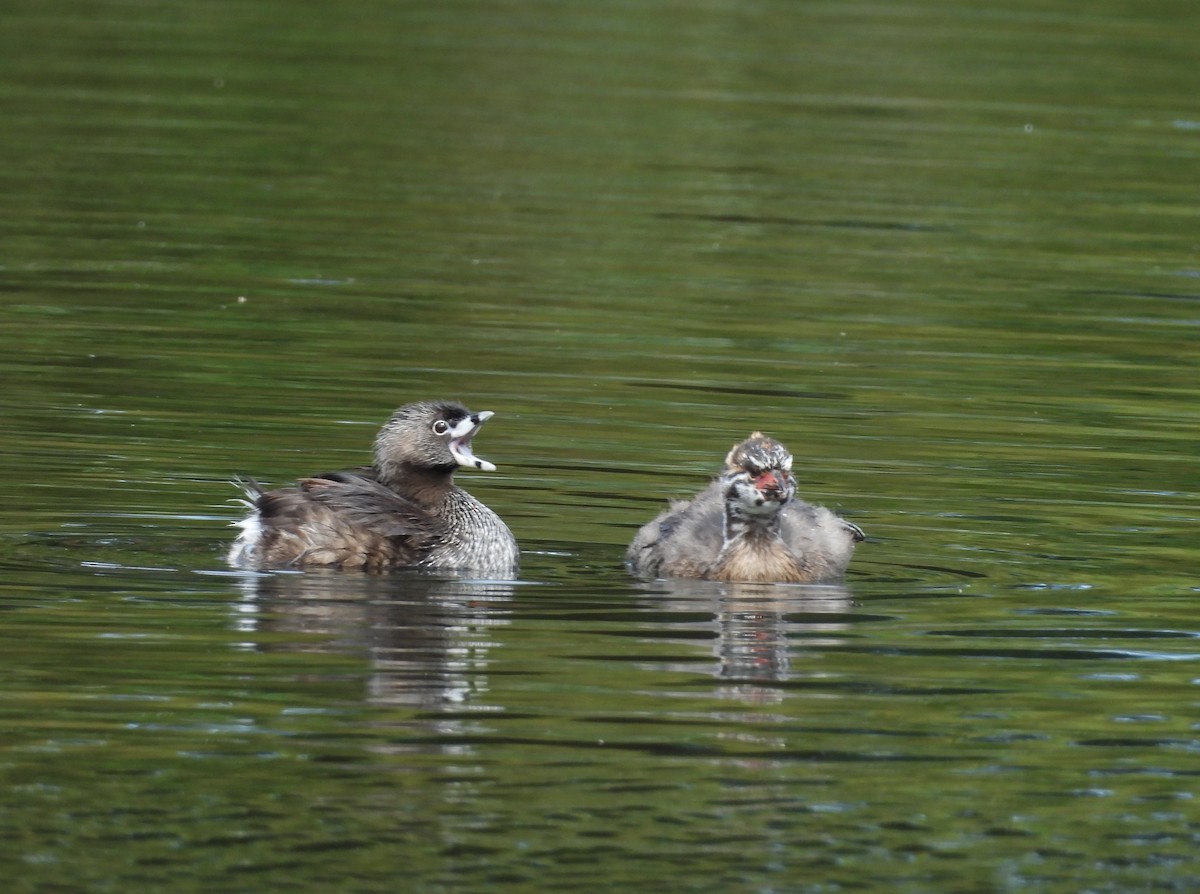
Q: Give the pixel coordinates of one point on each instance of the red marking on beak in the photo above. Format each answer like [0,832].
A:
[769,482]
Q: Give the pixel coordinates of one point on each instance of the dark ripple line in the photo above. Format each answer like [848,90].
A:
[1041,654]
[1122,293]
[1190,744]
[850,687]
[775,220]
[722,723]
[1058,632]
[941,569]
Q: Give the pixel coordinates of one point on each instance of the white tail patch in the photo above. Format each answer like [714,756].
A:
[247,542]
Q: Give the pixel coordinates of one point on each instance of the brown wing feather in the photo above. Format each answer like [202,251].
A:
[365,502]
[345,519]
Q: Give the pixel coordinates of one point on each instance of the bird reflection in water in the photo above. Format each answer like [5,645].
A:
[427,639]
[759,628]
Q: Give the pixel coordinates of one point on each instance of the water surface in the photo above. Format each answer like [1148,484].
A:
[945,252]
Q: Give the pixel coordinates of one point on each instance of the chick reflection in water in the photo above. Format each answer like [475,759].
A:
[747,526]
[759,630]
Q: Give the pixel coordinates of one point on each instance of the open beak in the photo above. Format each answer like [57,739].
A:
[460,441]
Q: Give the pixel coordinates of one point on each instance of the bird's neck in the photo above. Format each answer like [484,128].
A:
[753,550]
[742,526]
[421,484]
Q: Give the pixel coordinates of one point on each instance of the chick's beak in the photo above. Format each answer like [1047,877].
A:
[772,484]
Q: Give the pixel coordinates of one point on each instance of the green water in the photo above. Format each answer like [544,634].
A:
[946,252]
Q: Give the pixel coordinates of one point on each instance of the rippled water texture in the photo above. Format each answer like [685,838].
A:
[946,252]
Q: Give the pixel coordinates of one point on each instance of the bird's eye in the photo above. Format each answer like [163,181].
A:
[441,427]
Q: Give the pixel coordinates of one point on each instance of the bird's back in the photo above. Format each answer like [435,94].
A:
[341,519]
[682,541]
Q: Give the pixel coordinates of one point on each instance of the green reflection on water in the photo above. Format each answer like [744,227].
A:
[945,252]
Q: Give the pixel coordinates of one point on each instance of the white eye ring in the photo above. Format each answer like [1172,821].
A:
[441,427]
